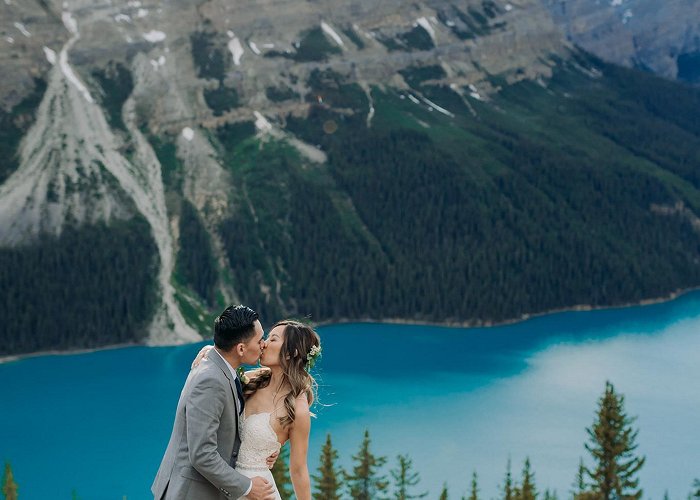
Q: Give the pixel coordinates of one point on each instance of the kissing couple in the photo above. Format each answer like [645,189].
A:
[230,424]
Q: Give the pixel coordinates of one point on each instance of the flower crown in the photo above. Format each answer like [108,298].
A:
[313,355]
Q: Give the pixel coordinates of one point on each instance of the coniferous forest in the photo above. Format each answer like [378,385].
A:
[70,291]
[582,191]
[545,199]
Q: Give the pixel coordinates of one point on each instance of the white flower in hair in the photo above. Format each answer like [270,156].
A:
[314,353]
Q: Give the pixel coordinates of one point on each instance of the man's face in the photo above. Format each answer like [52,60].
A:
[252,348]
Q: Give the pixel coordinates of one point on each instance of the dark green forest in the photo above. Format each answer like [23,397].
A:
[78,290]
[13,125]
[542,199]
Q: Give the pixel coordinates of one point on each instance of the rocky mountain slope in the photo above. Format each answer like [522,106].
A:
[241,134]
[659,37]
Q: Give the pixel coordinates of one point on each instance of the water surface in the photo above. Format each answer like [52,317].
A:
[455,400]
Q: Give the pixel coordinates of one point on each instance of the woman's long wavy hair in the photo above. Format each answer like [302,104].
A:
[298,341]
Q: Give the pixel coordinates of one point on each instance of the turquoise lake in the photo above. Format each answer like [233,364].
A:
[455,400]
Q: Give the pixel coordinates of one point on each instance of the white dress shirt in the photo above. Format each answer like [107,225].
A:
[235,376]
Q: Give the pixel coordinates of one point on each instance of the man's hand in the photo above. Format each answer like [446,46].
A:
[262,490]
[272,459]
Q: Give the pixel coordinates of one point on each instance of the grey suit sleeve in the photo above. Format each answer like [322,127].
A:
[204,408]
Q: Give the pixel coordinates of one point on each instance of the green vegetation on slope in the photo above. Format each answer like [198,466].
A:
[13,125]
[117,84]
[313,46]
[537,203]
[195,261]
[79,290]
[221,99]
[580,190]
[208,55]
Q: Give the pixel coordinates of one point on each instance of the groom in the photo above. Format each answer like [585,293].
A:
[201,455]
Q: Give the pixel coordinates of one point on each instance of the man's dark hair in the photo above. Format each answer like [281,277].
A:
[234,326]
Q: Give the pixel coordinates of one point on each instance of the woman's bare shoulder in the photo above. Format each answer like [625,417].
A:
[301,405]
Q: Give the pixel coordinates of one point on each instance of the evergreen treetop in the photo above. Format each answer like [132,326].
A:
[474,490]
[508,483]
[9,487]
[696,489]
[443,493]
[327,483]
[612,445]
[280,473]
[405,478]
[365,482]
[527,490]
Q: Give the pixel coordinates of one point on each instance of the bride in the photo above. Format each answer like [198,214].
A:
[277,400]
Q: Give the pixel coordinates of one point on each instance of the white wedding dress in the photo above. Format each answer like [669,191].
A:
[258,441]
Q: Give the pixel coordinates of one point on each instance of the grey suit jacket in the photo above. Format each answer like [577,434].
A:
[201,455]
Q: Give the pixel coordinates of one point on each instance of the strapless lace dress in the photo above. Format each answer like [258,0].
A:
[258,441]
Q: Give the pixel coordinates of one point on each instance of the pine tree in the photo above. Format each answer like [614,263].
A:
[696,489]
[579,486]
[405,479]
[508,484]
[550,495]
[365,483]
[280,472]
[327,482]
[579,491]
[527,490]
[9,487]
[474,492]
[443,493]
[612,445]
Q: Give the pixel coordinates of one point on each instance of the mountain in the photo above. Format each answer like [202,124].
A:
[661,38]
[451,162]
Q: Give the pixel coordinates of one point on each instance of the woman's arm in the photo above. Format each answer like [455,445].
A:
[299,446]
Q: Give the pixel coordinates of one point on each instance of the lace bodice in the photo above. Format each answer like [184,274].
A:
[258,441]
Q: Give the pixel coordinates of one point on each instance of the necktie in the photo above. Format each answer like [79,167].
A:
[239,390]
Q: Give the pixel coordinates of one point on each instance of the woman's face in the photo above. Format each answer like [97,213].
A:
[272,347]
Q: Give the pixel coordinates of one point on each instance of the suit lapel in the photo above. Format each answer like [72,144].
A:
[223,365]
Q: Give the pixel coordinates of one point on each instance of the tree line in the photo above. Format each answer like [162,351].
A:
[612,472]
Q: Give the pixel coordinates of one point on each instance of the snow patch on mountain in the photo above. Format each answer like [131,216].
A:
[236,49]
[50,55]
[425,24]
[154,36]
[328,30]
[23,30]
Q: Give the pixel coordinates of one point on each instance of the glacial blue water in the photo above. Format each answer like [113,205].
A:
[455,400]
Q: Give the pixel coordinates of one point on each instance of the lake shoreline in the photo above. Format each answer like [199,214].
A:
[525,317]
[19,357]
[390,321]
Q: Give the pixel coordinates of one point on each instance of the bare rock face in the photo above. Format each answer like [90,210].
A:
[25,29]
[260,39]
[661,36]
